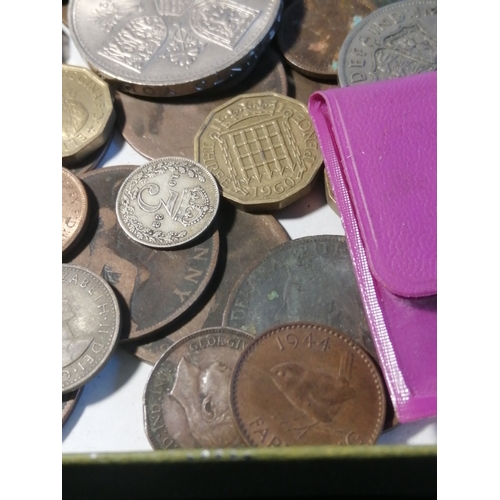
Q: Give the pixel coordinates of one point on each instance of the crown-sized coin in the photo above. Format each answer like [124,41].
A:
[167,202]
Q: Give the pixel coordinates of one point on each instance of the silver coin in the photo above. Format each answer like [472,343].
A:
[90,325]
[171,47]
[397,40]
[167,202]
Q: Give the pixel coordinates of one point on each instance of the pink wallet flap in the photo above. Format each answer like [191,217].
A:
[391,174]
[379,146]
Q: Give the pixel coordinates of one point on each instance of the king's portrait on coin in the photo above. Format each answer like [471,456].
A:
[74,342]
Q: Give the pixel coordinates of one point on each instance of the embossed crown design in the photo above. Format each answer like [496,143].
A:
[192,205]
[172,7]
[246,109]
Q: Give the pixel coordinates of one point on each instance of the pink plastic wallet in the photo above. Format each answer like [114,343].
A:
[379,146]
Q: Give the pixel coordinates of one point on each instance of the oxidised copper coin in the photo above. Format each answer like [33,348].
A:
[306,384]
[186,400]
[69,402]
[154,287]
[167,127]
[235,256]
[74,209]
[308,279]
[312,32]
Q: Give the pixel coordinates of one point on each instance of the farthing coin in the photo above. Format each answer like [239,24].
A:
[396,40]
[154,287]
[262,148]
[74,209]
[312,32]
[151,125]
[306,384]
[90,325]
[235,256]
[186,399]
[68,403]
[164,48]
[88,115]
[167,202]
[306,279]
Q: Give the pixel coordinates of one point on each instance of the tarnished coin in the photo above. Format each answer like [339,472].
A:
[90,325]
[301,87]
[74,209]
[152,126]
[397,40]
[235,256]
[262,148]
[167,202]
[312,32]
[308,279]
[186,400]
[88,115]
[164,48]
[306,384]
[154,287]
[68,403]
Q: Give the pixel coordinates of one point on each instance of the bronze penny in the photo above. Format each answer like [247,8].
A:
[154,287]
[312,32]
[301,87]
[166,127]
[69,401]
[307,279]
[306,384]
[186,400]
[235,256]
[74,209]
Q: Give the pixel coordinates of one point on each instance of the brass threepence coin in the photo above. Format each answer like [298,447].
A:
[154,287]
[312,32]
[306,384]
[74,209]
[68,403]
[308,279]
[167,202]
[235,256]
[90,325]
[397,40]
[164,48]
[186,399]
[262,148]
[153,127]
[88,115]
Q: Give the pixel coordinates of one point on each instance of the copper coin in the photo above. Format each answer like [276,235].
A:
[69,402]
[301,87]
[186,400]
[154,287]
[306,384]
[312,32]
[167,127]
[235,256]
[74,209]
[307,279]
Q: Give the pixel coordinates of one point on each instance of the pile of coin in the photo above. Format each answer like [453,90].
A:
[255,339]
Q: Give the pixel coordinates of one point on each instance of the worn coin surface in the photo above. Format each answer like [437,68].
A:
[68,403]
[164,48]
[154,287]
[88,115]
[262,148]
[306,384]
[306,279]
[235,256]
[396,40]
[312,32]
[74,209]
[153,127]
[167,202]
[186,400]
[90,325]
